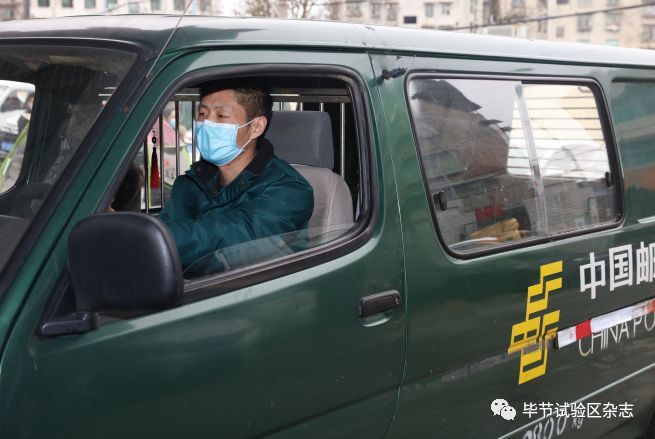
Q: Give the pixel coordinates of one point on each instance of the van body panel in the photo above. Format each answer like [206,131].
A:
[187,370]
[460,323]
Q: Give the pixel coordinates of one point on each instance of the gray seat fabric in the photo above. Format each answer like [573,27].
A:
[332,200]
[304,139]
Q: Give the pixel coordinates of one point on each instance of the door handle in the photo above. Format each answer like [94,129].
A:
[378,303]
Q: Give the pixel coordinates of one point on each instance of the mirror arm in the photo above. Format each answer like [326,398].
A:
[75,323]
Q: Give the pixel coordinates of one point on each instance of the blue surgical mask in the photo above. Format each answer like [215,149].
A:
[217,142]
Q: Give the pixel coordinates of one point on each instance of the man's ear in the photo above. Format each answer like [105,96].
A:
[259,126]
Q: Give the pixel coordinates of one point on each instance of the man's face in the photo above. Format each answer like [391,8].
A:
[222,107]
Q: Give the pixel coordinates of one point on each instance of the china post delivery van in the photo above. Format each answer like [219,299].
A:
[480,260]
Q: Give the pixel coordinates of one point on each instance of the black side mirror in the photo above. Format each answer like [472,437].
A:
[121,262]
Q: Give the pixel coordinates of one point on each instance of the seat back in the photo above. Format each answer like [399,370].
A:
[332,200]
[304,139]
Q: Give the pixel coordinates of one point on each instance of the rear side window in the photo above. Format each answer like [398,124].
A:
[506,161]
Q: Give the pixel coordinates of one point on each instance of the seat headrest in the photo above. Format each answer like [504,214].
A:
[302,137]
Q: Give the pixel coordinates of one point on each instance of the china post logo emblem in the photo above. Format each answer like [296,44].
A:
[532,336]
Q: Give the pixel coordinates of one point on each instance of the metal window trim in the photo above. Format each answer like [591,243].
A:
[533,157]
[177,139]
[339,96]
[608,135]
[146,172]
[160,152]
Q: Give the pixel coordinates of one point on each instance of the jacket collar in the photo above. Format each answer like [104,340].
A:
[263,156]
[209,174]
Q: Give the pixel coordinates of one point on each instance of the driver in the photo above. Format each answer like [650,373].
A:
[239,191]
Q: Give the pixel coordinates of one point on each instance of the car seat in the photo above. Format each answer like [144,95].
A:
[304,139]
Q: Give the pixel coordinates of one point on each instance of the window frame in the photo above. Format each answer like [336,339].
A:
[204,6]
[354,9]
[217,284]
[375,9]
[446,8]
[647,38]
[392,11]
[584,23]
[608,136]
[429,9]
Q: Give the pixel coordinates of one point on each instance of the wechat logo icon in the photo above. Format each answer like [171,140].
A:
[501,407]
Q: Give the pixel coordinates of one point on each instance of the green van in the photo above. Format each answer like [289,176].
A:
[480,261]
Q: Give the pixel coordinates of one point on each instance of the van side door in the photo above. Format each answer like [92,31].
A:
[514,224]
[285,353]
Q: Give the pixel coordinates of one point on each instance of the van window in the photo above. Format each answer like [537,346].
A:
[506,161]
[51,97]
[16,101]
[331,166]
[633,105]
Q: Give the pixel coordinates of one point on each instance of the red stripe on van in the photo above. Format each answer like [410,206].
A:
[583,330]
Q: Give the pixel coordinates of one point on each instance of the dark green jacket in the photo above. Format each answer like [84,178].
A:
[268,198]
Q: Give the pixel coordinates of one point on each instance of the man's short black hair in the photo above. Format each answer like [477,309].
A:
[256,100]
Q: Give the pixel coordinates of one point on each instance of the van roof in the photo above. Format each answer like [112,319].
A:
[152,31]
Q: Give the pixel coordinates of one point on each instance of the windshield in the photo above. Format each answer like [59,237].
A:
[51,99]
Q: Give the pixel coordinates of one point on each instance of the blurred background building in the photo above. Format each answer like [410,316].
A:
[11,9]
[627,23]
[445,14]
[58,8]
